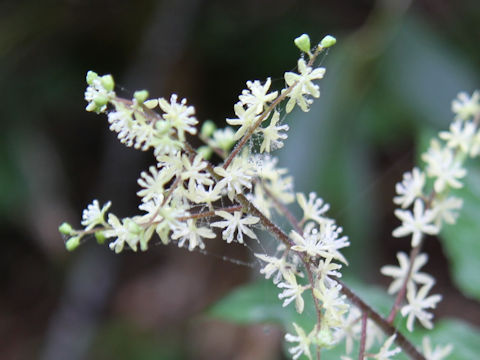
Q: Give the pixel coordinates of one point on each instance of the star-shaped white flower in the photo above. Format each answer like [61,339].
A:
[245,119]
[439,353]
[302,85]
[293,291]
[257,96]
[385,353]
[465,106]
[194,234]
[304,341]
[93,215]
[272,137]
[235,223]
[410,188]
[314,208]
[418,223]
[400,272]
[417,303]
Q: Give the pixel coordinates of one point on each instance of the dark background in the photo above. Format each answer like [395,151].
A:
[395,69]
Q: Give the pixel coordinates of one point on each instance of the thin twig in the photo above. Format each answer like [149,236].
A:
[363,339]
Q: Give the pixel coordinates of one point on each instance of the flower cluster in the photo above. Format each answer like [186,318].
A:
[188,200]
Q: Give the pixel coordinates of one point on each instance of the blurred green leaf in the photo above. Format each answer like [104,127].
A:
[461,241]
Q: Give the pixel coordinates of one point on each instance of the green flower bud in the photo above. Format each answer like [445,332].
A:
[205,152]
[91,76]
[208,128]
[133,227]
[328,41]
[141,96]
[100,100]
[73,243]
[303,43]
[107,82]
[100,236]
[162,126]
[65,229]
[152,103]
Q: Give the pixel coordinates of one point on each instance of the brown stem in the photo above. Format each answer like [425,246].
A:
[382,323]
[363,339]
[210,213]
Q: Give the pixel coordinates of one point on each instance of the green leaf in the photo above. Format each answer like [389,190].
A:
[461,240]
[258,302]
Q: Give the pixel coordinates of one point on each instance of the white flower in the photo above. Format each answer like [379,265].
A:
[416,224]
[400,272]
[410,188]
[439,353]
[234,223]
[302,85]
[93,215]
[465,106]
[153,183]
[326,268]
[314,208]
[127,231]
[245,119]
[189,231]
[199,194]
[350,329]
[272,138]
[417,303]
[442,165]
[223,138]
[446,210]
[274,265]
[460,136]
[257,96]
[333,303]
[238,174]
[293,291]
[261,201]
[385,353]
[303,340]
[192,171]
[179,116]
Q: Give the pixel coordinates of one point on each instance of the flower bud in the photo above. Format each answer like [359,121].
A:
[208,128]
[107,82]
[65,229]
[100,101]
[328,41]
[72,243]
[303,43]
[141,96]
[100,236]
[91,76]
[205,152]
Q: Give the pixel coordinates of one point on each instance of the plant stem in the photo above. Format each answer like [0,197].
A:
[363,339]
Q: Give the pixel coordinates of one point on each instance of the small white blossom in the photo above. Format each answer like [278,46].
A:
[303,341]
[439,353]
[223,138]
[441,164]
[257,96]
[93,215]
[235,223]
[417,303]
[325,269]
[261,201]
[465,106]
[314,208]
[272,138]
[410,188]
[460,136]
[274,265]
[446,210]
[385,353]
[189,231]
[194,171]
[245,119]
[400,272]
[349,329]
[418,223]
[127,231]
[238,175]
[293,291]
[153,183]
[302,85]
[199,194]
[333,303]
[179,116]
